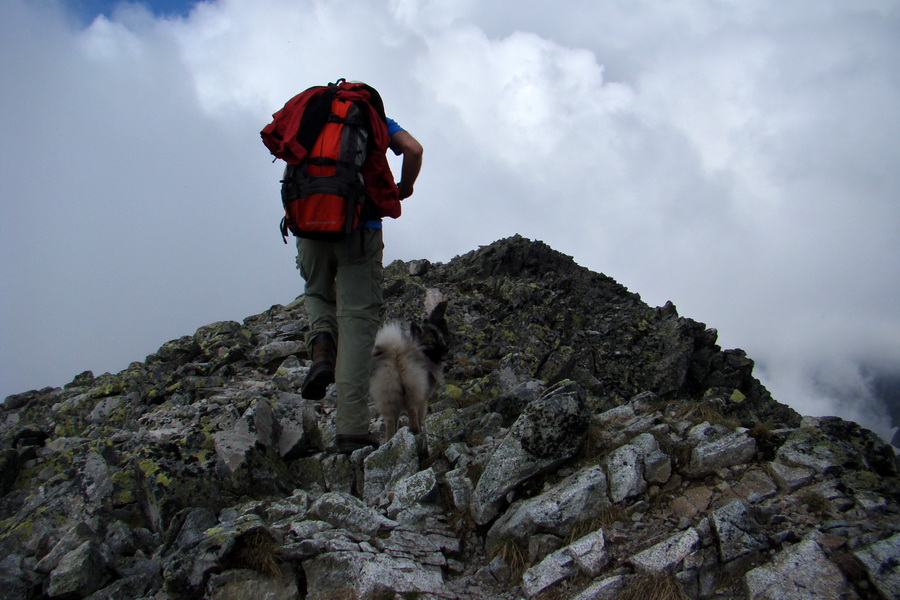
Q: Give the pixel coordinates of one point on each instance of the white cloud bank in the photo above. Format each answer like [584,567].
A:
[738,159]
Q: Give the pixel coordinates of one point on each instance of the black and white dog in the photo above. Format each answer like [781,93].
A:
[408,365]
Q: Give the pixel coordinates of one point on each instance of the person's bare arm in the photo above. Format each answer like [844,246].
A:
[402,143]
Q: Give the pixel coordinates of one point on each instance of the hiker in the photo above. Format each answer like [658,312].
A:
[336,189]
[343,302]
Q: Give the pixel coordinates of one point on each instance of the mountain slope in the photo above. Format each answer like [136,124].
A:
[584,445]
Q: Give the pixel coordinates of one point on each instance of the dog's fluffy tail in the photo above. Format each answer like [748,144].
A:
[398,377]
[391,345]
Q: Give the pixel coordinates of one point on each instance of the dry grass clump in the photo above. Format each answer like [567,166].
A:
[597,442]
[581,529]
[653,586]
[815,502]
[593,438]
[699,411]
[609,515]
[767,441]
[511,551]
[761,431]
[550,594]
[255,550]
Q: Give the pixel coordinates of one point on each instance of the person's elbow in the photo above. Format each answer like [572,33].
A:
[405,144]
[414,149]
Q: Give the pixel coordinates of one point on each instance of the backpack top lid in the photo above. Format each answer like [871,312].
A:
[296,126]
[368,93]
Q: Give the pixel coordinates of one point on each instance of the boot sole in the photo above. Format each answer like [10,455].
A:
[348,444]
[320,376]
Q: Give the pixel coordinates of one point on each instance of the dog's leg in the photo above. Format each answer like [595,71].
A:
[423,412]
[390,425]
[415,425]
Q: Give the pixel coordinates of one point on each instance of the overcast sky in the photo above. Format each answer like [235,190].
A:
[739,158]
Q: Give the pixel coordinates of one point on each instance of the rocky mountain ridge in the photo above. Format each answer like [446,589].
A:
[584,446]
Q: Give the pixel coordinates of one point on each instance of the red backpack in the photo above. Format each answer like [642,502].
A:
[334,140]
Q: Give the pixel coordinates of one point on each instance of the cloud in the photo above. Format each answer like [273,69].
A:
[520,96]
[738,159]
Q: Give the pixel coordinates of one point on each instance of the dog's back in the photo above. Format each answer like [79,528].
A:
[408,365]
[401,378]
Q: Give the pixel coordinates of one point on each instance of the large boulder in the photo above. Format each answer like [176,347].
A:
[576,499]
[801,572]
[548,433]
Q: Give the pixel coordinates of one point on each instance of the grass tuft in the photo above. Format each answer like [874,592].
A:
[653,586]
[550,594]
[255,550]
[609,515]
[815,502]
[698,411]
[512,553]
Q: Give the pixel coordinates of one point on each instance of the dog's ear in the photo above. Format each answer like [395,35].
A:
[438,312]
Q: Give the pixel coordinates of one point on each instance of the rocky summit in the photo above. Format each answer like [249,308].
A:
[584,446]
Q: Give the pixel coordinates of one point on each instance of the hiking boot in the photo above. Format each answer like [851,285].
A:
[348,444]
[321,373]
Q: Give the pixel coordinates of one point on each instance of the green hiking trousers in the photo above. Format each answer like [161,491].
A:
[343,297]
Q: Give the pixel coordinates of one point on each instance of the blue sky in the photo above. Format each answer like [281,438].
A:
[88,9]
[736,158]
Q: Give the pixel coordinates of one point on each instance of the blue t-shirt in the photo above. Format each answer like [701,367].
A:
[392,127]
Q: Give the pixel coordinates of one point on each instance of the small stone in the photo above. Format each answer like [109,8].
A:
[729,450]
[418,268]
[668,554]
[790,478]
[626,473]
